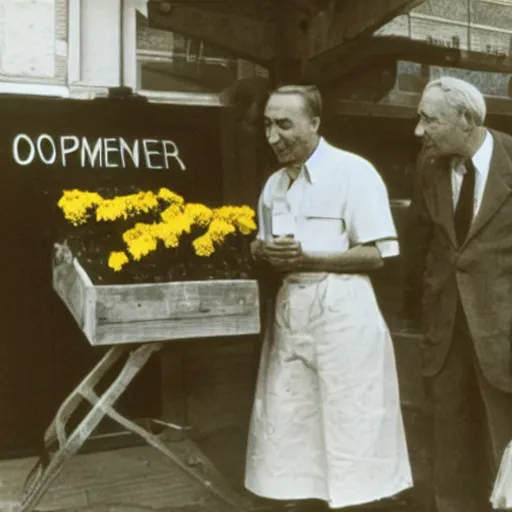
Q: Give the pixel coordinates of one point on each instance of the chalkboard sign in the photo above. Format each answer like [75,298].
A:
[50,145]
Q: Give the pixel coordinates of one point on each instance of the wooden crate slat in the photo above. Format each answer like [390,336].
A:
[114,314]
[182,328]
[192,299]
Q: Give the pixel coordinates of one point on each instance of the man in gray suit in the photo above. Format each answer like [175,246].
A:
[459,283]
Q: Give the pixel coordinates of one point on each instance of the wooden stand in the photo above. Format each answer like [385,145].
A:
[59,447]
[136,320]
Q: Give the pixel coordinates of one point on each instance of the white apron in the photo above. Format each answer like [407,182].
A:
[326,421]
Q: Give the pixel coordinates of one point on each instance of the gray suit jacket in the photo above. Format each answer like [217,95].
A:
[480,272]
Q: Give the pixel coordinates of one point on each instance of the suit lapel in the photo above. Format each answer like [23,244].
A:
[445,195]
[497,188]
[439,197]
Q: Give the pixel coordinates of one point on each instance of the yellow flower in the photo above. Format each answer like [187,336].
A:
[171,212]
[117,260]
[76,205]
[219,230]
[169,232]
[166,233]
[122,207]
[245,225]
[240,216]
[142,202]
[199,214]
[111,209]
[226,213]
[203,246]
[176,219]
[140,240]
[170,197]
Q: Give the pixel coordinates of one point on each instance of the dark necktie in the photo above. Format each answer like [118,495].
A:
[463,215]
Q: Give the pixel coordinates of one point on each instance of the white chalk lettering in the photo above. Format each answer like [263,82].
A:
[96,153]
[133,152]
[108,152]
[172,153]
[67,150]
[110,149]
[53,156]
[16,149]
[148,153]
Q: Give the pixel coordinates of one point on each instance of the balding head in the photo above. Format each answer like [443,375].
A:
[463,96]
[311,97]
[292,120]
[451,118]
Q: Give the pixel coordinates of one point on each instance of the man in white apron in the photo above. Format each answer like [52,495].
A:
[326,422]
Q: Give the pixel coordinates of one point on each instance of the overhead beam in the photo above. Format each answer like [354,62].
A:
[242,36]
[343,20]
[295,39]
[211,78]
[361,53]
[404,105]
[371,109]
[286,34]
[245,8]
[258,9]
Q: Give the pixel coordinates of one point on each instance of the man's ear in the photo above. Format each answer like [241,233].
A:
[467,120]
[316,124]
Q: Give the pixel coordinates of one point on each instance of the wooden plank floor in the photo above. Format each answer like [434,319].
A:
[129,480]
[138,479]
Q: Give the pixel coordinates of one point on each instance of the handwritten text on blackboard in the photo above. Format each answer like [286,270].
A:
[103,152]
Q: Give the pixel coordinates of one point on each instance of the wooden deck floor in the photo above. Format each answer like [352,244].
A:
[135,479]
[140,478]
[124,480]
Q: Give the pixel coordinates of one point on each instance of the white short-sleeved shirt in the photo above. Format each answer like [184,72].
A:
[338,201]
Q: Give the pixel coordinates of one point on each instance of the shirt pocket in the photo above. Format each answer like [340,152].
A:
[324,228]
[283,221]
[326,219]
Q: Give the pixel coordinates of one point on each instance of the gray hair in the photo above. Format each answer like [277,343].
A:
[463,96]
[309,93]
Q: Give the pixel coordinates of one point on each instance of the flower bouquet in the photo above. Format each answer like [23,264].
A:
[147,266]
[151,236]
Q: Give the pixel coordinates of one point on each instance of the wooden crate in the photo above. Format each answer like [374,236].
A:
[115,314]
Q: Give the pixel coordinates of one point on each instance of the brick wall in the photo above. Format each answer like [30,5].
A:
[154,40]
[446,21]
[482,12]
[494,15]
[447,9]
[61,35]
[171,61]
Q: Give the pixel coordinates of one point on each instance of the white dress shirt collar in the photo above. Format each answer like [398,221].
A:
[482,162]
[482,158]
[311,168]
[317,161]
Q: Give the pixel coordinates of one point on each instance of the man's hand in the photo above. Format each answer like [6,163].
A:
[257,249]
[283,254]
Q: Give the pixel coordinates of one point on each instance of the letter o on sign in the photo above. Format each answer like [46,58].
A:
[16,149]
[53,155]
